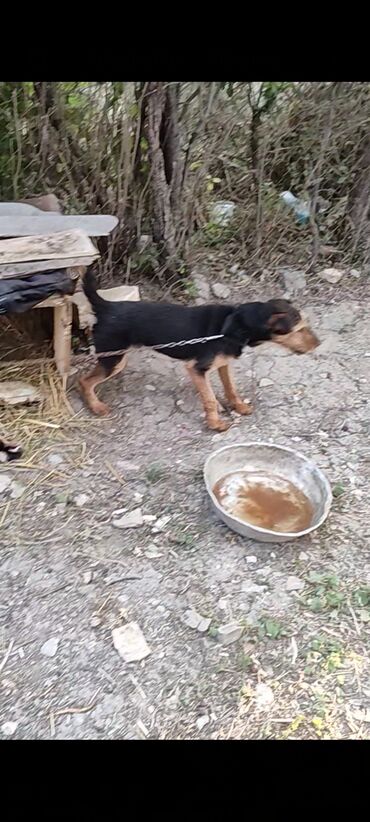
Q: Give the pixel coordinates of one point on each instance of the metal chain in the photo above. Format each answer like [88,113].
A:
[159,347]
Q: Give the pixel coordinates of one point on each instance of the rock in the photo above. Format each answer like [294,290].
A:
[138,497]
[251,559]
[252,588]
[149,518]
[294,584]
[192,619]
[303,556]
[161,523]
[61,497]
[17,490]
[202,721]
[221,291]
[127,465]
[9,728]
[265,382]
[87,577]
[55,459]
[202,287]
[230,632]
[14,392]
[95,621]
[331,275]
[293,280]
[131,520]
[264,697]
[81,500]
[355,273]
[150,387]
[5,482]
[152,552]
[50,647]
[130,642]
[234,268]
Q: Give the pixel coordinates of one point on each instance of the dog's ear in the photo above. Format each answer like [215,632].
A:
[279,323]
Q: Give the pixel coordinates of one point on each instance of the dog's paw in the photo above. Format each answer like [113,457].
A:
[243,408]
[100,409]
[219,425]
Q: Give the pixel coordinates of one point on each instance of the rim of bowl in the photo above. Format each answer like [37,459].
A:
[327,504]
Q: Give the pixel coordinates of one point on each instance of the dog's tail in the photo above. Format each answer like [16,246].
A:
[90,289]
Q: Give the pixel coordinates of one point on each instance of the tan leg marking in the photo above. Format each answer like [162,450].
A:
[231,393]
[89,383]
[210,405]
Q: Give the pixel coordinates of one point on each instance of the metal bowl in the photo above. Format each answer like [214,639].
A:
[274,460]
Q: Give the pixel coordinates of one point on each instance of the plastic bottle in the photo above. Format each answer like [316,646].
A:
[301,210]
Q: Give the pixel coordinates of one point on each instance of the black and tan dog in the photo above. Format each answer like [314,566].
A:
[9,451]
[125,325]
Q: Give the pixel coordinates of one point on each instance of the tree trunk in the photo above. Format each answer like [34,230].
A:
[162,218]
[170,144]
[359,202]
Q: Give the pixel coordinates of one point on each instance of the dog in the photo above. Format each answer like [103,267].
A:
[124,325]
[9,451]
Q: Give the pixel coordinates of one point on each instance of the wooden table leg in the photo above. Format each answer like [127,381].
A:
[63,338]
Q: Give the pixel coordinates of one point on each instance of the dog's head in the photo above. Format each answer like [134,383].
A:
[273,321]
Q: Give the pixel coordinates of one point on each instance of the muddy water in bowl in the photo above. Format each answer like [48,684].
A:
[270,502]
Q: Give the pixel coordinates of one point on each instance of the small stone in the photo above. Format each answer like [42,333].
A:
[152,552]
[202,721]
[234,268]
[61,498]
[264,696]
[294,584]
[331,275]
[265,382]
[221,291]
[130,642]
[127,465]
[150,387]
[17,490]
[251,559]
[223,604]
[9,728]
[230,632]
[131,520]
[87,577]
[138,497]
[55,459]
[95,621]
[148,518]
[81,500]
[5,482]
[192,619]
[293,280]
[161,523]
[50,647]
[354,272]
[252,588]
[303,556]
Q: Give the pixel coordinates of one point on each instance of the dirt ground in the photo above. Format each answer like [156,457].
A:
[68,577]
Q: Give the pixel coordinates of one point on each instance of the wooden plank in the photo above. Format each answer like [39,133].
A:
[61,245]
[63,338]
[22,210]
[95,225]
[23,269]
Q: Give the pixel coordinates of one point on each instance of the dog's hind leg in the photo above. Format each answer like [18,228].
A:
[231,393]
[105,369]
[210,404]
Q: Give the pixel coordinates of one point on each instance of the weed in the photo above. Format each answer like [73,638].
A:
[271,629]
[154,473]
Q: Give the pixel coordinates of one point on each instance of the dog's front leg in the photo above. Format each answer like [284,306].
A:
[231,393]
[210,405]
